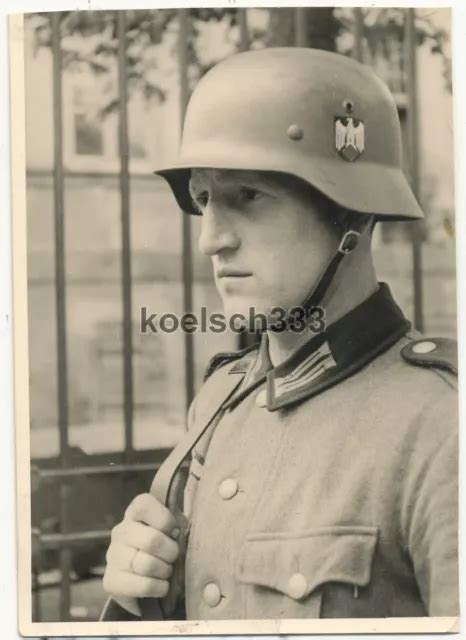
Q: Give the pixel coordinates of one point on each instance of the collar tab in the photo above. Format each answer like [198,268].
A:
[329,357]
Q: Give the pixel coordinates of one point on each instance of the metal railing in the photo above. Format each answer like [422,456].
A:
[65,473]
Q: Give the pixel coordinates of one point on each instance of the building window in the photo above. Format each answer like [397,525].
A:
[91,127]
[87,124]
[88,136]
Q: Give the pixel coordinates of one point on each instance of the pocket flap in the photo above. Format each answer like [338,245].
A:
[297,563]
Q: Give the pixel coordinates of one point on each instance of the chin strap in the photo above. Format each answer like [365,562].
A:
[348,243]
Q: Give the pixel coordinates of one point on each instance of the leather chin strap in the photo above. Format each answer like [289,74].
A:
[348,243]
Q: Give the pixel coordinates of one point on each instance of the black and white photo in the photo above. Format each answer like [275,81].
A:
[237,250]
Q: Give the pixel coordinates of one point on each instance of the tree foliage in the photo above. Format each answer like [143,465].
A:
[89,38]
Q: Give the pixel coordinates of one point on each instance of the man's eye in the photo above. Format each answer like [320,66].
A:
[200,201]
[248,195]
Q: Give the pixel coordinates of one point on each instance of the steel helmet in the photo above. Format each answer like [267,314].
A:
[320,116]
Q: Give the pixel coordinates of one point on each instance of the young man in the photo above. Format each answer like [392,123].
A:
[323,476]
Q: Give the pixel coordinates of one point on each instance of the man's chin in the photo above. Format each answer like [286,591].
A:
[246,315]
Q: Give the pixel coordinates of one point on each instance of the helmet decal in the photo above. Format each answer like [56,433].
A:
[349,137]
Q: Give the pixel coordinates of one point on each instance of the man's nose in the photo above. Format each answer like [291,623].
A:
[217,232]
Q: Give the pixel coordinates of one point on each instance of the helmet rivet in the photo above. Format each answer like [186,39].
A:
[348,106]
[295,132]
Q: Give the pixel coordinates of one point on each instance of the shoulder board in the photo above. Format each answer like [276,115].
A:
[437,353]
[223,358]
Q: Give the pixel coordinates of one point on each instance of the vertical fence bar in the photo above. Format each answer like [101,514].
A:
[243,30]
[300,27]
[413,140]
[244,339]
[183,35]
[358,33]
[60,303]
[126,282]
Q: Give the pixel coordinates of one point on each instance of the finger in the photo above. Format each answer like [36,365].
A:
[118,583]
[145,508]
[125,558]
[152,541]
[146,565]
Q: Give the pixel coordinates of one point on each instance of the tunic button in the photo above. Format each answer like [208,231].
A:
[261,398]
[424,347]
[297,586]
[228,488]
[212,594]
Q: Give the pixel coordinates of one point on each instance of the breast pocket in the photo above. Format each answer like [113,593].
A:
[286,573]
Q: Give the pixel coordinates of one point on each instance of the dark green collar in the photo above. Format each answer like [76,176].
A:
[327,358]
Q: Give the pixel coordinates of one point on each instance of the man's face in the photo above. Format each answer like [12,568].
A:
[268,243]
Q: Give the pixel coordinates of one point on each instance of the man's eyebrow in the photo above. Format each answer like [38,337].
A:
[259,179]
[232,178]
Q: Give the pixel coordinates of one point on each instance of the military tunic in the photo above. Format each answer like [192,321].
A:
[328,485]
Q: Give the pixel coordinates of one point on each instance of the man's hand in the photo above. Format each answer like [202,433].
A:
[141,553]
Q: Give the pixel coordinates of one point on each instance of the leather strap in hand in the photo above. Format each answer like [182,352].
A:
[161,489]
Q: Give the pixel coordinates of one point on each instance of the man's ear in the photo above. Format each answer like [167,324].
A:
[360,222]
[368,225]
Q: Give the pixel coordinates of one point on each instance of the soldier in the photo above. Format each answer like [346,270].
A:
[323,480]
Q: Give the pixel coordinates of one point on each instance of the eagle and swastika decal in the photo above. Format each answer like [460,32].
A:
[349,137]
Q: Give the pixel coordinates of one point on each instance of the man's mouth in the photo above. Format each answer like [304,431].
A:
[232,273]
